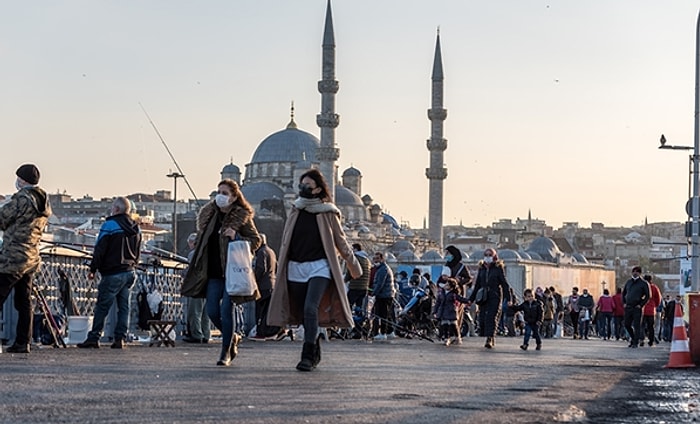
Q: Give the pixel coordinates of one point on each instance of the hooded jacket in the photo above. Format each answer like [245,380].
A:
[23,220]
[118,246]
[457,269]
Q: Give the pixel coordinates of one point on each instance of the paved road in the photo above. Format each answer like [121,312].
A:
[399,381]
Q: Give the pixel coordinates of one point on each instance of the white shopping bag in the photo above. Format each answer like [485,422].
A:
[240,279]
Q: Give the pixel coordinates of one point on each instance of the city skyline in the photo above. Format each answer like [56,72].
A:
[553,108]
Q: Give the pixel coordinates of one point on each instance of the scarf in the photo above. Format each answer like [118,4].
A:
[315,205]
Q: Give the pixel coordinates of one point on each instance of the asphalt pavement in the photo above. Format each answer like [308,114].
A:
[397,381]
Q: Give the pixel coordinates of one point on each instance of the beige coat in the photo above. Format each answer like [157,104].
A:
[334,309]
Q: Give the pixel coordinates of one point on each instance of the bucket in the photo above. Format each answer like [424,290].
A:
[78,328]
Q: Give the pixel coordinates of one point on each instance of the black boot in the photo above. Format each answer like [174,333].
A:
[317,352]
[225,358]
[19,348]
[307,357]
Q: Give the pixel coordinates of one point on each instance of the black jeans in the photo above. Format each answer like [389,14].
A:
[309,295]
[23,290]
[633,324]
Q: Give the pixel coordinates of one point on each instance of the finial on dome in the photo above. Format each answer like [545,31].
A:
[292,124]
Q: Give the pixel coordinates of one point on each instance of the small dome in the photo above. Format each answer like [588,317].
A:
[523,254]
[389,257]
[534,256]
[508,254]
[231,169]
[257,192]
[289,145]
[477,254]
[352,172]
[546,248]
[406,256]
[432,256]
[580,258]
[402,245]
[345,197]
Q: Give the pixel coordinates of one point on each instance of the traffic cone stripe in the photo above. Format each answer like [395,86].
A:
[680,350]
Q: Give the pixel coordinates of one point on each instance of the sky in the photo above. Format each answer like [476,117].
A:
[554,107]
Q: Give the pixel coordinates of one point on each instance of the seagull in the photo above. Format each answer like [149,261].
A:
[663,140]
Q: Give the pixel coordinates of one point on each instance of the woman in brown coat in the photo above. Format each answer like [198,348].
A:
[227,217]
[310,288]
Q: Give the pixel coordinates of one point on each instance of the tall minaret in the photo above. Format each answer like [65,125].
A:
[436,145]
[328,120]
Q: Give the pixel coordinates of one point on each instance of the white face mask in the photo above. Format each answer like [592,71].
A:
[488,259]
[222,200]
[442,285]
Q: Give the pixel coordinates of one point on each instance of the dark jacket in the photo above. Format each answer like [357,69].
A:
[457,269]
[362,282]
[636,293]
[118,246]
[265,268]
[533,312]
[384,282]
[446,305]
[23,219]
[586,302]
[238,218]
[493,279]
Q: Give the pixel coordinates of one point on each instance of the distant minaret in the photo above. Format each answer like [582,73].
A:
[328,120]
[436,145]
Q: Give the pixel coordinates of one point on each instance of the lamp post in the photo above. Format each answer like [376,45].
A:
[693,208]
[175,176]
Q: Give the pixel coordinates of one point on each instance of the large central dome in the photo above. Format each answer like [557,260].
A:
[289,145]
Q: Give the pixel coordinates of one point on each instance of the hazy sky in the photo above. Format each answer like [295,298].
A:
[554,106]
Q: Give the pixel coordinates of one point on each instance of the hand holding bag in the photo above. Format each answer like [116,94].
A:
[240,278]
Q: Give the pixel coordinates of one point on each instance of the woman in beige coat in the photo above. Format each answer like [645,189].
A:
[310,288]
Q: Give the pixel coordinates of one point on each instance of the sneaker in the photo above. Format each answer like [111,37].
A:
[379,337]
[523,347]
[539,347]
[391,335]
[18,348]
[89,344]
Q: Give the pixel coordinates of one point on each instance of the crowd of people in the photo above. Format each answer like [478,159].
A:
[306,286]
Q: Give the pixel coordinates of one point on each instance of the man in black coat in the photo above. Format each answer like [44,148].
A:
[635,295]
[265,267]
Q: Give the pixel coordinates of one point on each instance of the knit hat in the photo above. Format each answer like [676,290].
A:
[28,173]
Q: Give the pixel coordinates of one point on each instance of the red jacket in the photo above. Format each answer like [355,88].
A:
[619,309]
[606,304]
[654,300]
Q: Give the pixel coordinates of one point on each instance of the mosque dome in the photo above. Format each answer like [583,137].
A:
[534,255]
[523,254]
[257,192]
[432,256]
[508,254]
[231,169]
[402,245]
[580,258]
[546,248]
[406,256]
[289,145]
[345,197]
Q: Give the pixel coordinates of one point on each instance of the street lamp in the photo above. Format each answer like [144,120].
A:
[175,176]
[693,207]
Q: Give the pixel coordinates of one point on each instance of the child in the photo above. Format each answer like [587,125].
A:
[446,308]
[532,314]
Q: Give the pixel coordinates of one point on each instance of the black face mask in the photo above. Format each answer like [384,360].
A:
[306,192]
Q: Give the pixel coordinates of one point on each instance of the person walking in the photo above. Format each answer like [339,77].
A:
[22,220]
[635,295]
[265,267]
[619,314]
[573,308]
[558,311]
[586,306]
[358,287]
[310,288]
[533,313]
[226,218]
[384,291]
[492,278]
[446,309]
[605,309]
[116,254]
[198,324]
[649,312]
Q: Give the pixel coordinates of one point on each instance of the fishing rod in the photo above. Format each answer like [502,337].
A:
[179,170]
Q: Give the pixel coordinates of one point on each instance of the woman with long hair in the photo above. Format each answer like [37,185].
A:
[226,218]
[310,288]
[492,278]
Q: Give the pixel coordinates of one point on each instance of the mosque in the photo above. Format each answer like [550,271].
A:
[270,180]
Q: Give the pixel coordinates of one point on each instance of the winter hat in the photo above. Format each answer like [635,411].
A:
[28,173]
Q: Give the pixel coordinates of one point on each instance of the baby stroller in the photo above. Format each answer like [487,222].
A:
[416,318]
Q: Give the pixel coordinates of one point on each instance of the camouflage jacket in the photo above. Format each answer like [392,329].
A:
[23,220]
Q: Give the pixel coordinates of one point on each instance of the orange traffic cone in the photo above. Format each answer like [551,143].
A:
[680,351]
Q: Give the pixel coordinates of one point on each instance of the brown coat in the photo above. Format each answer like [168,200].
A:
[334,309]
[238,218]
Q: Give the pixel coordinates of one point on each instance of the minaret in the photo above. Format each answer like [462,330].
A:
[436,145]
[328,120]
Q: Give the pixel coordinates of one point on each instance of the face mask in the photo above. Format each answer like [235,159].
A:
[449,258]
[442,285]
[488,259]
[17,186]
[377,263]
[222,200]
[306,192]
